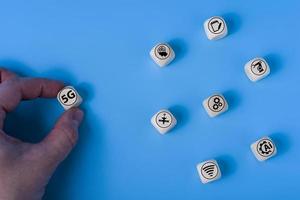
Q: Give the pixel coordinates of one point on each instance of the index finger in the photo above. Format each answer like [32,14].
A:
[32,88]
[13,91]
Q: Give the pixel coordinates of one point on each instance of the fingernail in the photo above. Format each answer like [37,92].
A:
[78,115]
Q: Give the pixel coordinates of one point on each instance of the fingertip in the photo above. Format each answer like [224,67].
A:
[75,114]
[54,85]
[78,114]
[60,84]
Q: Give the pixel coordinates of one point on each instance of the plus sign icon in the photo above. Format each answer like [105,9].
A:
[164,119]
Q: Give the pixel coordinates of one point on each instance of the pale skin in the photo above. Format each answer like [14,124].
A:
[26,168]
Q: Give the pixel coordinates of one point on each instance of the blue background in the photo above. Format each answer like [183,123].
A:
[102,48]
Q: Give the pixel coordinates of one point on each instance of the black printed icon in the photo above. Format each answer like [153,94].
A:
[164,119]
[265,147]
[216,103]
[216,25]
[162,51]
[209,170]
[258,67]
[68,97]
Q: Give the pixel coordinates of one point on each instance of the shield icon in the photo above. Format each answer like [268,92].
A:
[216,25]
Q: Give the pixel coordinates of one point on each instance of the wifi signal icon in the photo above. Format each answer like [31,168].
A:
[209,170]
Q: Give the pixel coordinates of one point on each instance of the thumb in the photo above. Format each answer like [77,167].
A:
[63,136]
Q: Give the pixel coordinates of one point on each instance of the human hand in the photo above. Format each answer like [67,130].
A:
[26,168]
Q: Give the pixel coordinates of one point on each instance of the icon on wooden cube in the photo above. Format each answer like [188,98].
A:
[215,28]
[68,97]
[162,54]
[215,105]
[209,171]
[163,121]
[264,148]
[257,69]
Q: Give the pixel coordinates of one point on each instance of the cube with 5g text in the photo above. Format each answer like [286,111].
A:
[68,97]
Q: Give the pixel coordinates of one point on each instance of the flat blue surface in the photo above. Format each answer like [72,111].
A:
[102,48]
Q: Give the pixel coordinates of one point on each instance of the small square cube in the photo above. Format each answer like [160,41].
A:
[162,54]
[68,97]
[163,121]
[215,28]
[264,148]
[257,69]
[209,171]
[215,105]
